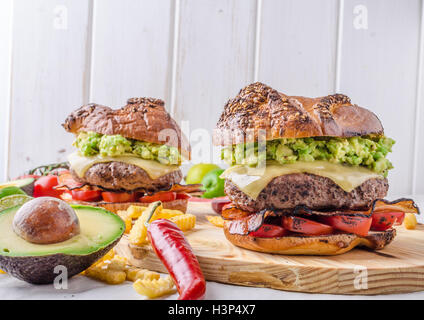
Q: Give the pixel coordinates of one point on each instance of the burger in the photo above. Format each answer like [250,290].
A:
[307,176]
[129,156]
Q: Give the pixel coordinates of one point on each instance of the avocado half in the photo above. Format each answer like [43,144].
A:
[35,263]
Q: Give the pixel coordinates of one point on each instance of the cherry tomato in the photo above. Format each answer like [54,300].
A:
[306,226]
[86,195]
[160,196]
[269,231]
[352,224]
[43,187]
[384,220]
[118,197]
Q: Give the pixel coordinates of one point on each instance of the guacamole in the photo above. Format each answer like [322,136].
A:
[91,144]
[356,151]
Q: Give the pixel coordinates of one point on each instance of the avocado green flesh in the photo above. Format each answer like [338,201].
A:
[99,228]
[366,151]
[92,143]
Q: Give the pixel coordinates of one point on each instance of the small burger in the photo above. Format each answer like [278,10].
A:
[307,175]
[126,156]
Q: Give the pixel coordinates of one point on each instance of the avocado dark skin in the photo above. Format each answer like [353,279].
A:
[25,268]
[27,232]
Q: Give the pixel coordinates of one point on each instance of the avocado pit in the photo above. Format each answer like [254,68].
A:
[46,220]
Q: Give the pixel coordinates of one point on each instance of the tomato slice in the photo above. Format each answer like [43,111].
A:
[118,197]
[352,224]
[269,231]
[384,220]
[306,226]
[86,195]
[44,187]
[183,196]
[400,216]
[219,203]
[160,196]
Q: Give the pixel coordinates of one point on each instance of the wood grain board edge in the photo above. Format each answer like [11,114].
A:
[293,278]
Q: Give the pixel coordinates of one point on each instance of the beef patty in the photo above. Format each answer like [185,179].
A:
[123,176]
[315,192]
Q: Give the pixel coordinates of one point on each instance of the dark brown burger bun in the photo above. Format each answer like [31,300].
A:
[325,245]
[143,119]
[260,107]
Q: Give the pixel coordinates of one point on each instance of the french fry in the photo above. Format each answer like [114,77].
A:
[2,272]
[185,222]
[127,219]
[104,274]
[410,221]
[117,263]
[217,221]
[135,211]
[169,213]
[154,288]
[138,233]
[134,274]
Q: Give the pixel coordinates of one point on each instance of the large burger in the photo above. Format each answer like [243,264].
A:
[126,156]
[307,175]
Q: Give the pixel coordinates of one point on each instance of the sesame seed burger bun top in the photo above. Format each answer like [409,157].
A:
[259,106]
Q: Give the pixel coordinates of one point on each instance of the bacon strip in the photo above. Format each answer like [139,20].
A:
[66,181]
[402,205]
[242,222]
[247,224]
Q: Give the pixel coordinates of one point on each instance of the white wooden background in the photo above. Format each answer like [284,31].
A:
[56,55]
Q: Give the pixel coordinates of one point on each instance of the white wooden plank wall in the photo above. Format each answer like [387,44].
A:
[50,68]
[196,54]
[378,70]
[132,41]
[6,12]
[298,41]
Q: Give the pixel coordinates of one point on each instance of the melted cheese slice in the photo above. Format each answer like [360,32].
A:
[252,180]
[154,169]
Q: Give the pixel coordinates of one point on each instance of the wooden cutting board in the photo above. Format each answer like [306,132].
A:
[398,268]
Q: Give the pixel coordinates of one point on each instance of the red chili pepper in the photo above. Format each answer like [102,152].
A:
[175,252]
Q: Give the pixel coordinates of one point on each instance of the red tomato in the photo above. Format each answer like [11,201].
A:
[352,224]
[219,203]
[183,196]
[400,216]
[43,187]
[384,220]
[305,226]
[86,195]
[268,231]
[118,197]
[160,196]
